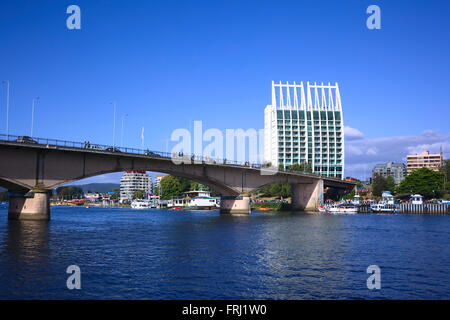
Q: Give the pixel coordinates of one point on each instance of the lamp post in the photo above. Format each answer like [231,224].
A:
[32,115]
[114,126]
[121,137]
[7,108]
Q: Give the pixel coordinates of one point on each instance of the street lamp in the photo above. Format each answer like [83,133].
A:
[32,115]
[7,108]
[114,129]
[121,138]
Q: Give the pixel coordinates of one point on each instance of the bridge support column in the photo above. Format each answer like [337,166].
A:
[235,205]
[23,207]
[306,197]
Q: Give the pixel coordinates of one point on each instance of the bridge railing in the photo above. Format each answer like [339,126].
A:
[125,150]
[117,149]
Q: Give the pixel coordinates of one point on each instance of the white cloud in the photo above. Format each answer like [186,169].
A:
[362,154]
[352,133]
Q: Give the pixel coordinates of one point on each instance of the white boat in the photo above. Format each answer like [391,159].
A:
[416,199]
[176,203]
[141,204]
[194,200]
[386,205]
[200,200]
[343,208]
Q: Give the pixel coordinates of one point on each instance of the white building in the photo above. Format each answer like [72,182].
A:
[299,128]
[132,181]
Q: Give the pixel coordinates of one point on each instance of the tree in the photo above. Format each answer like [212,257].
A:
[302,167]
[390,183]
[139,194]
[445,170]
[275,190]
[69,192]
[378,185]
[171,187]
[423,181]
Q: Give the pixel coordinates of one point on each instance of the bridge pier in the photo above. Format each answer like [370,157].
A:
[23,207]
[237,205]
[306,197]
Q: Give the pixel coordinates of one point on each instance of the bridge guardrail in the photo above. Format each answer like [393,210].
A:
[147,152]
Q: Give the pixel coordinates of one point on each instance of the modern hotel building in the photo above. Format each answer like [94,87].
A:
[301,128]
[132,181]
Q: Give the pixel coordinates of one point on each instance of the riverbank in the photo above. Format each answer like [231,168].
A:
[272,206]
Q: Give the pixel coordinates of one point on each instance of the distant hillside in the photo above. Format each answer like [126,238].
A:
[98,187]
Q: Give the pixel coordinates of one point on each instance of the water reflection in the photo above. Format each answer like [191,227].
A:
[27,241]
[25,256]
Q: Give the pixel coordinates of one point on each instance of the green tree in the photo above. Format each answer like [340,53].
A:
[301,167]
[390,183]
[171,187]
[277,190]
[378,185]
[445,170]
[69,192]
[139,194]
[423,181]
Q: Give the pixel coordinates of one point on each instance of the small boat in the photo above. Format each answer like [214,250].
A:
[322,208]
[194,200]
[343,208]
[263,209]
[141,204]
[386,205]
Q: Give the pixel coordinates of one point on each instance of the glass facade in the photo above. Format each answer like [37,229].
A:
[313,134]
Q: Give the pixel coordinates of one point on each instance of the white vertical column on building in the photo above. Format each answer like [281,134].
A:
[289,106]
[331,107]
[341,129]
[303,106]
[315,107]
[324,108]
[297,132]
[283,130]
[309,102]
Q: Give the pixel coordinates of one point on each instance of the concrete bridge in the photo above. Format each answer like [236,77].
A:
[31,169]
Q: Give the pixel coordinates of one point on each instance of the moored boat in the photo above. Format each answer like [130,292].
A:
[141,204]
[342,208]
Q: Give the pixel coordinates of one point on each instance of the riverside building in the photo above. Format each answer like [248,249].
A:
[425,159]
[301,128]
[132,181]
[396,170]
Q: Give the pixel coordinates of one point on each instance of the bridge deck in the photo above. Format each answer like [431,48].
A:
[87,147]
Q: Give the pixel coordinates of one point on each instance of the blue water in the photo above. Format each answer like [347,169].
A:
[158,254]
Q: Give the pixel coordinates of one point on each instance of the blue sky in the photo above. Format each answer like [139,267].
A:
[168,63]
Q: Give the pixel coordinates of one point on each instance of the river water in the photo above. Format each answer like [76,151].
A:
[161,254]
